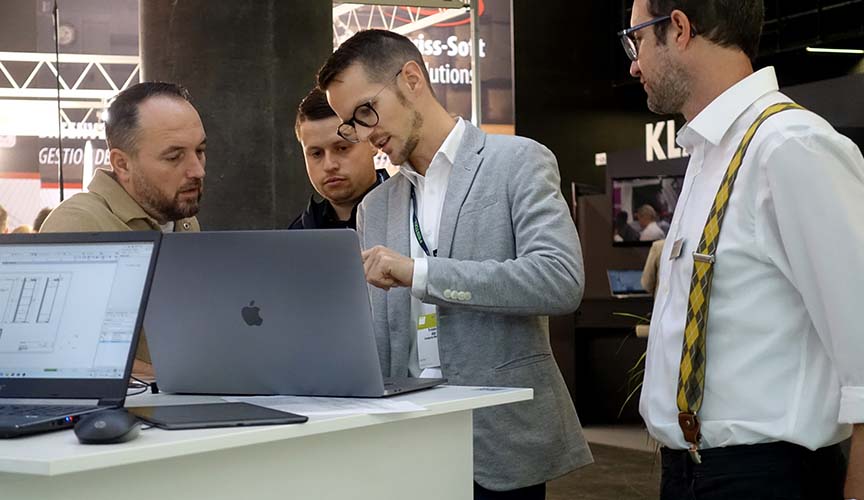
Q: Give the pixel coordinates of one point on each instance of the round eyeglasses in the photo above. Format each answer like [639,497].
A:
[364,115]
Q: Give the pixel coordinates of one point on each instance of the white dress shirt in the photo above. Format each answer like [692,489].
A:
[430,191]
[652,232]
[785,346]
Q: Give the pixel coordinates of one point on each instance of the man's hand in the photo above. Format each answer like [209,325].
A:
[386,269]
[855,473]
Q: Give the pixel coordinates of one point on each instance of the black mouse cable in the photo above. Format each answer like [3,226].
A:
[143,386]
[141,390]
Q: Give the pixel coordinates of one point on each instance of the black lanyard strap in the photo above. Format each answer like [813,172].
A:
[416,225]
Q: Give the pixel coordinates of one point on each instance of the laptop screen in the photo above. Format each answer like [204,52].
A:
[69,310]
[625,281]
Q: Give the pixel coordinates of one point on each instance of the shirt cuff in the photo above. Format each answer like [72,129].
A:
[851,405]
[421,275]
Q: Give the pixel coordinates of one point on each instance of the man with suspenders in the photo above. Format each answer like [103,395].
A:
[750,401]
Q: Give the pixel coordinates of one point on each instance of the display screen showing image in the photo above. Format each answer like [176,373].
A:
[642,208]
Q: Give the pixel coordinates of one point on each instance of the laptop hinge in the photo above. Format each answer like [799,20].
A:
[46,401]
[111,402]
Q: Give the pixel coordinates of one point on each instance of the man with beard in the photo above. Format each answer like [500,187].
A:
[469,249]
[341,172]
[157,144]
[751,399]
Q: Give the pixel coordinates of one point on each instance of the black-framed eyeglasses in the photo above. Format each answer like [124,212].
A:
[364,115]
[631,47]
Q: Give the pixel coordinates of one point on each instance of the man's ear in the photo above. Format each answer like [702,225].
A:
[414,76]
[120,164]
[682,29]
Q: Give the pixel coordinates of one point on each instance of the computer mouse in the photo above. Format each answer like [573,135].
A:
[107,427]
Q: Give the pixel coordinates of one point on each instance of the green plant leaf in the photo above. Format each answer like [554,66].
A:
[642,319]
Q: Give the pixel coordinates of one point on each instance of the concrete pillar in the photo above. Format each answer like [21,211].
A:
[247,64]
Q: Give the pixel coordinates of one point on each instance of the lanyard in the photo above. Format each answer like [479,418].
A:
[416,225]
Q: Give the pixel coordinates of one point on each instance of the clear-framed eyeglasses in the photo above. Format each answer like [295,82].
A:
[631,46]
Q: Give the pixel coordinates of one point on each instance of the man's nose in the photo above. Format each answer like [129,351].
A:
[331,161]
[635,71]
[363,133]
[196,168]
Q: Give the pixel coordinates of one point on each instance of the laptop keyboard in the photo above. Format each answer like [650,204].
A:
[38,410]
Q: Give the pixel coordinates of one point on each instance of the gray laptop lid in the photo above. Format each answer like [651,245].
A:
[626,283]
[263,312]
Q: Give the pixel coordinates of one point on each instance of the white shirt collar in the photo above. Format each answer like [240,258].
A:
[718,117]
[448,148]
[451,144]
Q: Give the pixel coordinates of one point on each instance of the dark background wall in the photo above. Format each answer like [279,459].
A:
[567,61]
[17,20]
[573,92]
[247,63]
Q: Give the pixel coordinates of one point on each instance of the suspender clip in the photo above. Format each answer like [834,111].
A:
[691,427]
[694,454]
[701,257]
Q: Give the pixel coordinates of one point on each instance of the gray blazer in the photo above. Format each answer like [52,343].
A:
[507,239]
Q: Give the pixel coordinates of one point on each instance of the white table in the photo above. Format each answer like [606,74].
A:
[419,455]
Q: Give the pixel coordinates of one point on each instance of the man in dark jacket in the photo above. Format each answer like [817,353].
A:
[341,172]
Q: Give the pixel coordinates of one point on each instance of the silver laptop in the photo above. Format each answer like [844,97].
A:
[71,307]
[626,283]
[265,312]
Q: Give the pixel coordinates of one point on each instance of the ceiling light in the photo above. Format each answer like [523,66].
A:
[835,51]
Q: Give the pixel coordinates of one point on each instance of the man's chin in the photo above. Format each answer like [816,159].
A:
[396,159]
[184,211]
[340,200]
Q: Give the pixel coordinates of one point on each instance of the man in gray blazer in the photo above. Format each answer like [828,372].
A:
[468,249]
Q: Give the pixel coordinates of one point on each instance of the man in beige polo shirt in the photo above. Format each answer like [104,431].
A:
[157,144]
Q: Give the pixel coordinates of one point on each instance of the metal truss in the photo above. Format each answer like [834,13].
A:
[409,16]
[349,18]
[75,96]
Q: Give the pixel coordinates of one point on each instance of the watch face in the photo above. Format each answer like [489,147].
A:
[66,34]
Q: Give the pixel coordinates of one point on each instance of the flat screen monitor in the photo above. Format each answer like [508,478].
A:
[626,283]
[642,208]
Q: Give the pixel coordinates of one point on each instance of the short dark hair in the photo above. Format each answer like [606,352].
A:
[381,53]
[313,107]
[728,23]
[40,218]
[122,125]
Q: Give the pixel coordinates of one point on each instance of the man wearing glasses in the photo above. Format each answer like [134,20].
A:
[750,400]
[469,249]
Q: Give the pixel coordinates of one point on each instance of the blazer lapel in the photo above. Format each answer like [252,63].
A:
[397,217]
[462,176]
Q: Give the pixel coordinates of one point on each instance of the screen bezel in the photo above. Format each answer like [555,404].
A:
[611,184]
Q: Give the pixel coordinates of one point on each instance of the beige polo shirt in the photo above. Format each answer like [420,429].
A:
[107,207]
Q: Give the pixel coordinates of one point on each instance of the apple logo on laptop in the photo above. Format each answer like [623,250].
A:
[251,314]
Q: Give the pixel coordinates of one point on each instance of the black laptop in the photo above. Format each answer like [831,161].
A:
[71,309]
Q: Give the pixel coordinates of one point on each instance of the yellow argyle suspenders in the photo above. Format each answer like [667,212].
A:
[691,378]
